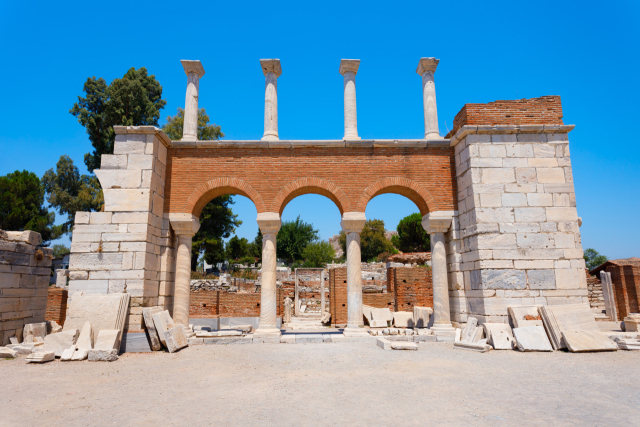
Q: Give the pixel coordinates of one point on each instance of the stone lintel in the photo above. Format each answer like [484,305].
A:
[269,222]
[507,129]
[271,66]
[191,66]
[353,222]
[184,223]
[337,143]
[438,221]
[427,64]
[144,130]
[347,65]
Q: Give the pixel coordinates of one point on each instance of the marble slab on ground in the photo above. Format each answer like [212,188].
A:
[403,319]
[8,353]
[469,329]
[499,336]
[163,322]
[473,346]
[564,318]
[627,344]
[421,316]
[61,341]
[41,357]
[381,314]
[524,316]
[67,353]
[175,339]
[103,355]
[154,338]
[86,338]
[107,340]
[366,312]
[102,311]
[583,341]
[532,338]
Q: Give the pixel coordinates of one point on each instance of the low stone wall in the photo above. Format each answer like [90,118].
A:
[56,305]
[412,287]
[25,269]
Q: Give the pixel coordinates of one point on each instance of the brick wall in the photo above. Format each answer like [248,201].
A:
[57,305]
[412,287]
[546,110]
[626,287]
[338,291]
[212,304]
[383,300]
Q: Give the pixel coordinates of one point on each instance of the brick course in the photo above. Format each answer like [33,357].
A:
[213,304]
[626,287]
[56,305]
[412,287]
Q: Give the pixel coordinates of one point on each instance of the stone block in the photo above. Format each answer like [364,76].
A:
[175,339]
[403,345]
[498,279]
[526,176]
[541,279]
[520,227]
[98,261]
[86,338]
[530,215]
[59,342]
[108,339]
[34,330]
[154,338]
[82,217]
[163,322]
[519,150]
[103,355]
[421,316]
[499,335]
[494,215]
[469,330]
[584,341]
[127,200]
[129,146]
[533,240]
[493,151]
[41,357]
[490,200]
[498,176]
[113,161]
[567,278]
[543,163]
[540,199]
[514,200]
[140,161]
[403,319]
[67,353]
[8,353]
[532,338]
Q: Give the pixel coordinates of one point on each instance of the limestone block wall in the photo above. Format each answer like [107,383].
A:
[518,220]
[128,247]
[25,269]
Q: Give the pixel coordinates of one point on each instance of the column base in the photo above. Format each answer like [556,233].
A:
[270,138]
[189,138]
[444,332]
[433,136]
[351,138]
[267,332]
[355,332]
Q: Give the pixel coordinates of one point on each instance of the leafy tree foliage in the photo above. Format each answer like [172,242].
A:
[293,237]
[206,132]
[411,235]
[372,240]
[69,192]
[593,258]
[217,222]
[256,246]
[133,100]
[21,206]
[318,254]
[60,250]
[237,248]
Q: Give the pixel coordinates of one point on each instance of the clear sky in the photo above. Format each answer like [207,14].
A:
[586,52]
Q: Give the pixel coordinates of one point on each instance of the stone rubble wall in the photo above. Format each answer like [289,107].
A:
[25,269]
[129,247]
[594,286]
[518,221]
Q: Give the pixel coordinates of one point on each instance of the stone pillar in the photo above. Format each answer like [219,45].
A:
[272,70]
[352,224]
[185,226]
[348,69]
[269,223]
[427,68]
[609,296]
[194,71]
[436,224]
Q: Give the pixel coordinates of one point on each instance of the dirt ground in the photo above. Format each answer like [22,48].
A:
[354,384]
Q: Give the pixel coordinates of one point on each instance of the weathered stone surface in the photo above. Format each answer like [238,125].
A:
[499,335]
[469,330]
[498,279]
[525,316]
[67,353]
[154,339]
[35,330]
[102,311]
[80,354]
[532,338]
[175,339]
[22,349]
[473,346]
[163,322]
[86,339]
[565,318]
[541,279]
[383,314]
[108,339]
[41,357]
[421,316]
[583,341]
[8,353]
[53,327]
[60,341]
[403,319]
[103,355]
[403,345]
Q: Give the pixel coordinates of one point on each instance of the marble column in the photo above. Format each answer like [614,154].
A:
[427,68]
[185,227]
[348,69]
[352,224]
[436,224]
[269,223]
[194,71]
[272,70]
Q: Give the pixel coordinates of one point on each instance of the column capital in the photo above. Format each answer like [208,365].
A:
[192,66]
[269,222]
[184,224]
[271,66]
[427,64]
[347,65]
[353,222]
[438,222]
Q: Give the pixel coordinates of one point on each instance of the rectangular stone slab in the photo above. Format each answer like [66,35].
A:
[86,339]
[154,339]
[582,341]
[421,316]
[403,345]
[499,335]
[163,322]
[107,340]
[570,317]
[469,329]
[34,330]
[103,355]
[525,316]
[102,311]
[532,338]
[403,319]
[473,346]
[41,357]
[175,339]
[383,314]
[61,341]
[8,353]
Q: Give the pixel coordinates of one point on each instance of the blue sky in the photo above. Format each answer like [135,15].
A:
[586,52]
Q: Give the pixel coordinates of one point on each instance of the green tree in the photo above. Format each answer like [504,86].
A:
[217,222]
[237,248]
[69,192]
[60,250]
[206,132]
[318,254]
[133,100]
[256,246]
[22,206]
[411,235]
[293,237]
[593,258]
[372,240]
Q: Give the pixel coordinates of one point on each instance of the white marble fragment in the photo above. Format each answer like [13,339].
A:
[532,338]
[41,357]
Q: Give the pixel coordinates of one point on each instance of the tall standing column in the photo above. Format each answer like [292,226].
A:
[185,227]
[349,69]
[352,224]
[272,70]
[194,71]
[269,223]
[436,224]
[427,68]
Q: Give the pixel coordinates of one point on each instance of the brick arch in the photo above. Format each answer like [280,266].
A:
[310,186]
[209,190]
[403,186]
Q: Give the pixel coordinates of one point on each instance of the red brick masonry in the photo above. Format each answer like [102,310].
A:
[56,305]
[213,304]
